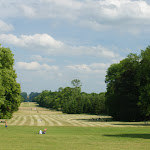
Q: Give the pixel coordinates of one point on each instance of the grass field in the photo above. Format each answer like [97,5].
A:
[70,132]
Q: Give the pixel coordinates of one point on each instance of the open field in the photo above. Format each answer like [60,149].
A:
[74,138]
[70,132]
[30,114]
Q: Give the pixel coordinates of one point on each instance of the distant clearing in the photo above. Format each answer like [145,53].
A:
[30,114]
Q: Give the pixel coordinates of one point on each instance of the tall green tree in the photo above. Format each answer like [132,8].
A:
[122,94]
[76,83]
[9,88]
[144,82]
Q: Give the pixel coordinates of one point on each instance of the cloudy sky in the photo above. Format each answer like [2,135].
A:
[56,41]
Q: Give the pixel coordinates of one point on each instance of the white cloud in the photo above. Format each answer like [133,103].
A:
[64,3]
[34,66]
[99,65]
[93,24]
[47,44]
[42,40]
[28,11]
[39,58]
[4,27]
[90,13]
[121,15]
[43,76]
[93,68]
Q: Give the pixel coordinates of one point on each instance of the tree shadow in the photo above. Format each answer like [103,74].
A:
[142,136]
[96,120]
[138,124]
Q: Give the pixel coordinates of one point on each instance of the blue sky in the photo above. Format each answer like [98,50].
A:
[56,41]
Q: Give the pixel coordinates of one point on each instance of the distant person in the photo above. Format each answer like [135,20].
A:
[6,124]
[44,132]
[40,132]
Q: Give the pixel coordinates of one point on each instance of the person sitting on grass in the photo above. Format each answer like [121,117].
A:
[44,132]
[40,132]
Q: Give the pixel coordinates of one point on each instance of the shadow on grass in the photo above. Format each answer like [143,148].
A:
[96,120]
[142,136]
[138,124]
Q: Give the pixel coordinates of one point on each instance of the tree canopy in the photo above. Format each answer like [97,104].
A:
[128,88]
[72,100]
[9,88]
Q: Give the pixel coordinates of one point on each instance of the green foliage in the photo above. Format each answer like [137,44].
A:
[144,82]
[24,96]
[9,88]
[76,83]
[72,101]
[128,86]
[32,95]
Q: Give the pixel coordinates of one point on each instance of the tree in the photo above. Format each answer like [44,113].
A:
[122,94]
[24,96]
[76,83]
[144,82]
[32,95]
[9,88]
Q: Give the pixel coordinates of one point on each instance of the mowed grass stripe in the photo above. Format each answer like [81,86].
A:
[67,122]
[39,120]
[54,120]
[75,120]
[35,120]
[12,120]
[87,120]
[17,120]
[70,119]
[84,123]
[27,121]
[31,120]
[49,122]
[23,120]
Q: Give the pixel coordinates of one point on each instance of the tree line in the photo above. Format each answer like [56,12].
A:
[28,98]
[72,101]
[128,88]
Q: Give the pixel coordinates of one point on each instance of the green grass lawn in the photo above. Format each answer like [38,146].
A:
[22,130]
[75,138]
[28,104]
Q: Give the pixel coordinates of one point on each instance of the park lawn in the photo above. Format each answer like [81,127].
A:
[28,104]
[75,138]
